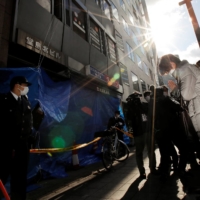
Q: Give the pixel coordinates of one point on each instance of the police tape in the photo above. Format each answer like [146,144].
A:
[57,150]
[126,133]
[75,147]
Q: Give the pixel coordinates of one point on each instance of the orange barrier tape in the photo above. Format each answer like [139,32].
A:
[56,150]
[126,133]
[3,189]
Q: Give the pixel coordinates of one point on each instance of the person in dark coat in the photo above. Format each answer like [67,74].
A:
[16,127]
[137,118]
[168,129]
[118,122]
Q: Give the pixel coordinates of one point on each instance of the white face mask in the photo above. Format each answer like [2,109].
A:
[165,94]
[171,71]
[25,91]
[147,98]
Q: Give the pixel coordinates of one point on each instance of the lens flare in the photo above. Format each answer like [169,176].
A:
[116,76]
[49,154]
[58,142]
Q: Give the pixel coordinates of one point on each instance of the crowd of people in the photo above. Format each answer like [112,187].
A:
[170,120]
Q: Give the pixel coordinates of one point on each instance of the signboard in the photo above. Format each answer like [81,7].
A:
[124,73]
[38,46]
[95,35]
[111,50]
[92,72]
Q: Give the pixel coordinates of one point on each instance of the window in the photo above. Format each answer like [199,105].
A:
[142,49]
[126,28]
[135,12]
[135,82]
[119,40]
[79,20]
[106,8]
[122,4]
[145,68]
[134,38]
[131,17]
[95,34]
[46,4]
[111,50]
[67,12]
[143,84]
[130,52]
[114,11]
[124,73]
[151,74]
[98,2]
[58,9]
[129,2]
[139,62]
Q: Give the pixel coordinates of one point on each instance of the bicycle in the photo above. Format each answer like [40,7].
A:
[112,148]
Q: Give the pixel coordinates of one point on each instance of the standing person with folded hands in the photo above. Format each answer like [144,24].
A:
[16,127]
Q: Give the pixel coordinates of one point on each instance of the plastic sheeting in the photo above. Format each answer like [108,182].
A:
[72,115]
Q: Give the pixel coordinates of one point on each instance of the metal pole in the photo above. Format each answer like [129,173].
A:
[193,18]
[153,129]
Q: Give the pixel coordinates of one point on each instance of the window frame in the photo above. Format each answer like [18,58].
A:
[76,25]
[113,6]
[130,52]
[126,79]
[118,35]
[109,7]
[122,4]
[138,87]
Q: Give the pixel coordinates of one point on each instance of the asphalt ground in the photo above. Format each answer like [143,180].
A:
[93,182]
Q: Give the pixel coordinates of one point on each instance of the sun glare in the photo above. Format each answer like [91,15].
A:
[164,23]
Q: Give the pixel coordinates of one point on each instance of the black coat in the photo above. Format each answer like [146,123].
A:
[137,116]
[167,123]
[15,119]
[115,122]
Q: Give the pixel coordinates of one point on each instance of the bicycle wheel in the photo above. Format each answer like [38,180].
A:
[122,152]
[107,157]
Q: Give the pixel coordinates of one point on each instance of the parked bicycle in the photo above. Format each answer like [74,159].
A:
[113,149]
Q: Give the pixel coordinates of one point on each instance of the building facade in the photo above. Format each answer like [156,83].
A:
[106,43]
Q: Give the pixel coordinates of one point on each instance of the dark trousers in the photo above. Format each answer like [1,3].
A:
[182,146]
[165,161]
[14,163]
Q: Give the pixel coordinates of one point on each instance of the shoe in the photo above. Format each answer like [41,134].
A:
[143,176]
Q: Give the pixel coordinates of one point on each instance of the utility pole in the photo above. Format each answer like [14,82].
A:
[193,18]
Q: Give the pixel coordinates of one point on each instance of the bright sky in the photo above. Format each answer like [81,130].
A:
[172,29]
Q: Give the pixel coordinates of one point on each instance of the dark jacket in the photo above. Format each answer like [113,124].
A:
[15,119]
[118,122]
[137,115]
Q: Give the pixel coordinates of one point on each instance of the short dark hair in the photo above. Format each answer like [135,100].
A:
[18,80]
[117,112]
[165,66]
[165,88]
[146,93]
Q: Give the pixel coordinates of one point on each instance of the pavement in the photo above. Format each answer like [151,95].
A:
[93,182]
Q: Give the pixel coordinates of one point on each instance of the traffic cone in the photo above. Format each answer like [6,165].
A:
[3,189]
[75,160]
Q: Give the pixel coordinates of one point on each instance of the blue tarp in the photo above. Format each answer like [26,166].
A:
[72,115]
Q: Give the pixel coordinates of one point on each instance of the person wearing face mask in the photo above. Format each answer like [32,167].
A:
[16,128]
[118,122]
[147,96]
[165,90]
[188,83]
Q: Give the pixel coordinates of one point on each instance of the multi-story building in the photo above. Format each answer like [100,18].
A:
[104,40]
